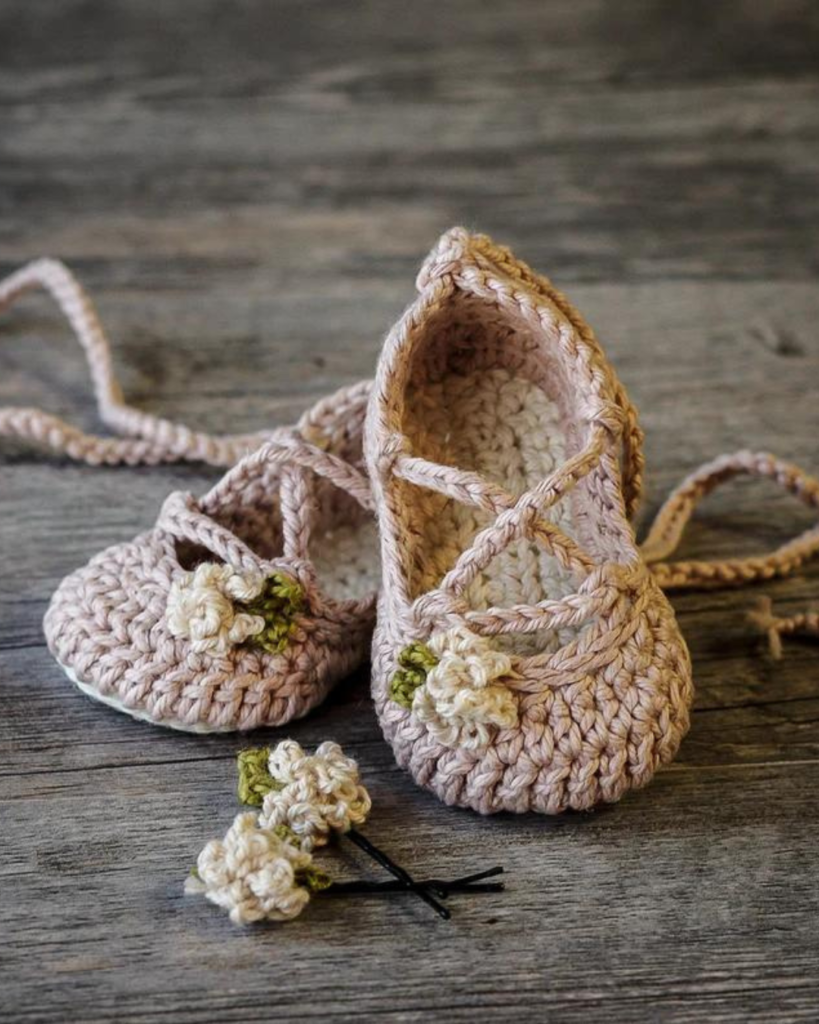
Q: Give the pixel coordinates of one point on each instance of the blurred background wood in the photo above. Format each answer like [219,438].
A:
[247,190]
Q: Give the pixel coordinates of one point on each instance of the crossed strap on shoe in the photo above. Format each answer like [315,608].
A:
[151,440]
[518,517]
[297,461]
[283,458]
[484,259]
[601,587]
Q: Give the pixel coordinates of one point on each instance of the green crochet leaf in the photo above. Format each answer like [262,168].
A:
[415,662]
[255,781]
[314,879]
[279,603]
[286,834]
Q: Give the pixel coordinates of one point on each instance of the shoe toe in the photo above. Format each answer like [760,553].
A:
[591,726]
[106,626]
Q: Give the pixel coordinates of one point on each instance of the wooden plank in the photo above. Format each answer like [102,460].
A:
[690,901]
[247,192]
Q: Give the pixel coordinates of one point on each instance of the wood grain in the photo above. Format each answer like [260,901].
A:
[247,189]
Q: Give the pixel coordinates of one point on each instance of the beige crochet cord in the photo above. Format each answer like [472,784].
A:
[525,657]
[291,511]
[294,508]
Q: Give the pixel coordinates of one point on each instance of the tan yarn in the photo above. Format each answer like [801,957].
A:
[528,548]
[506,461]
[152,439]
[775,626]
[128,629]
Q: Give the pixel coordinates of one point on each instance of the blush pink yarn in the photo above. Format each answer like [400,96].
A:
[297,503]
[505,460]
[107,623]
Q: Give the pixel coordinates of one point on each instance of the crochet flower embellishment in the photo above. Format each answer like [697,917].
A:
[454,686]
[216,608]
[253,873]
[304,797]
[263,868]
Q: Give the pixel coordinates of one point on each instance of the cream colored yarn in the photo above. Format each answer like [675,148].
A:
[463,700]
[251,873]
[506,462]
[320,793]
[201,608]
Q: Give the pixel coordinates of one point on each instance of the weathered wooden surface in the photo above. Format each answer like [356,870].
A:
[247,189]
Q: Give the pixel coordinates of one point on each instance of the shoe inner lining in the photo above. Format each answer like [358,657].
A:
[347,560]
[343,541]
[505,427]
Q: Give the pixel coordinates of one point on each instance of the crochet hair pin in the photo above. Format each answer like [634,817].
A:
[263,868]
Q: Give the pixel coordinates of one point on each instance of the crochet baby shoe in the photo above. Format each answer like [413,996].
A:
[524,658]
[239,609]
[242,608]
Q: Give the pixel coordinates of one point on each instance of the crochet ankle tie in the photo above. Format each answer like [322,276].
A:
[523,517]
[524,655]
[186,519]
[520,516]
[240,608]
[775,627]
[152,440]
[669,524]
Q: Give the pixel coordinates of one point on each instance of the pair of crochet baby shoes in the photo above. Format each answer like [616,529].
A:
[524,655]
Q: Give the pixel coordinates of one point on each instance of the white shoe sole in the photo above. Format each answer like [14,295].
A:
[142,716]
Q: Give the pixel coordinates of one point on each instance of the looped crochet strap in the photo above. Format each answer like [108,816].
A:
[521,516]
[188,519]
[670,522]
[281,455]
[597,595]
[151,439]
[446,258]
[775,626]
[290,448]
[182,517]
[603,586]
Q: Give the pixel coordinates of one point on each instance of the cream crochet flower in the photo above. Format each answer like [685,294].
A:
[460,702]
[251,873]
[201,607]
[319,794]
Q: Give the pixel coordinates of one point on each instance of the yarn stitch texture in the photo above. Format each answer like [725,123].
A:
[205,607]
[534,399]
[252,873]
[463,699]
[241,608]
[123,628]
[305,799]
[775,626]
[310,796]
[506,462]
